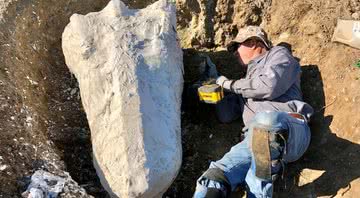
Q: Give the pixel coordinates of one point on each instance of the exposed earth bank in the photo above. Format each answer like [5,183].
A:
[43,125]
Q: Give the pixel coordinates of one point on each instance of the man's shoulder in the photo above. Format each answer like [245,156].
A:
[279,50]
[281,54]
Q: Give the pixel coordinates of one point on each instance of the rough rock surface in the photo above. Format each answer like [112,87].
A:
[129,67]
[45,184]
[3,6]
[213,23]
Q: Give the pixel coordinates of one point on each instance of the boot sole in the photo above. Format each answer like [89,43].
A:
[261,152]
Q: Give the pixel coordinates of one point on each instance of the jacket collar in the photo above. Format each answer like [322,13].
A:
[257,59]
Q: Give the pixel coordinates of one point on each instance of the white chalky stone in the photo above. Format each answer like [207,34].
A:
[130,72]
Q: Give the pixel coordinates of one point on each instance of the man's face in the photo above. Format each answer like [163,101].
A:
[245,52]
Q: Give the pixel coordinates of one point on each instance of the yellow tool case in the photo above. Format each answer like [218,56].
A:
[211,94]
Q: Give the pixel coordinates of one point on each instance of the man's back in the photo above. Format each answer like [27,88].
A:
[272,83]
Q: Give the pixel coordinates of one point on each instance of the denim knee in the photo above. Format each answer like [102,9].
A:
[271,121]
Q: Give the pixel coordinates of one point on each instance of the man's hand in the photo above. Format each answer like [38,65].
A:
[220,80]
[224,82]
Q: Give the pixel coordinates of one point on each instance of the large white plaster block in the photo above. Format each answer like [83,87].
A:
[130,72]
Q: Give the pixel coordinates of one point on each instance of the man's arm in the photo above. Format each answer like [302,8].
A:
[280,72]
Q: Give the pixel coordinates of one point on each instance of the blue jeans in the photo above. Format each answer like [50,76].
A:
[238,165]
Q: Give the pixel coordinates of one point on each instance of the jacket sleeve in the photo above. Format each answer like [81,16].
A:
[279,73]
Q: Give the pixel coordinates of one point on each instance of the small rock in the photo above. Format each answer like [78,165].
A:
[44,183]
[355,16]
[356,99]
[3,167]
[28,118]
[73,91]
[308,176]
[210,136]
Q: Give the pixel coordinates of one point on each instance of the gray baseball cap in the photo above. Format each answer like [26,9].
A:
[247,33]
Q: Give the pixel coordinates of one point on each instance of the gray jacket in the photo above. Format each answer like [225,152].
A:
[272,83]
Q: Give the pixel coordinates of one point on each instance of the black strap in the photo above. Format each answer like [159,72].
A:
[231,85]
[280,137]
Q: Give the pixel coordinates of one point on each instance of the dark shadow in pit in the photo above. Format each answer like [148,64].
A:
[335,159]
[204,138]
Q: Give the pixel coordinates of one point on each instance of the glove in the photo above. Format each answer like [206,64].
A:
[224,82]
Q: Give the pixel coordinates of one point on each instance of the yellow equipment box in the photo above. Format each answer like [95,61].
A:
[211,94]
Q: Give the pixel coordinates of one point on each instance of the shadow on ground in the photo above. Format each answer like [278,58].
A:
[334,161]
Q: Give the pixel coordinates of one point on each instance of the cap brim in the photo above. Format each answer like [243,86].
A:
[267,44]
[231,45]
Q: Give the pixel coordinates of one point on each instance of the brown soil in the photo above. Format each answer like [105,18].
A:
[43,125]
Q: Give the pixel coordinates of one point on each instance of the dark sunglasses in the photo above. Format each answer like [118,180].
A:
[233,48]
